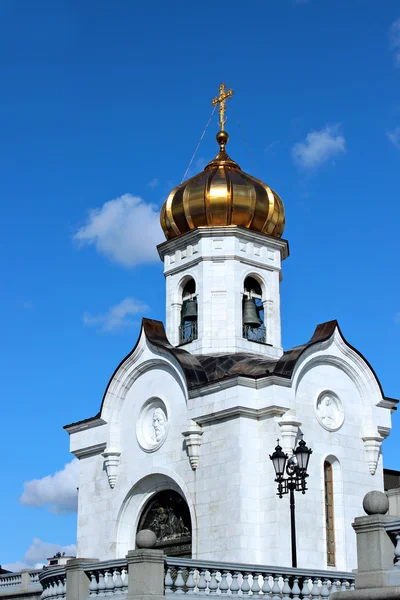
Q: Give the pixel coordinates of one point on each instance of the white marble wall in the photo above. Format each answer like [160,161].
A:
[236,515]
[219,260]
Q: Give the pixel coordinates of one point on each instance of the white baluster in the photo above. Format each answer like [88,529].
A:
[334,588]
[266,588]
[179,583]
[344,585]
[109,583]
[276,590]
[59,589]
[352,585]
[202,583]
[190,584]
[305,590]
[125,579]
[168,580]
[235,587]
[118,583]
[255,587]
[296,589]
[324,590]
[213,584]
[286,591]
[245,587]
[315,590]
[101,586]
[64,582]
[93,585]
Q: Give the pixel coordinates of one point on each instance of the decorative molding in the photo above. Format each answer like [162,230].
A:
[193,441]
[242,411]
[255,384]
[89,450]
[111,462]
[372,445]
[289,432]
[383,431]
[84,425]
[193,236]
[387,403]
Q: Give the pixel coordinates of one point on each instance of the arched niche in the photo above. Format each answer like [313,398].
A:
[253,310]
[137,502]
[167,514]
[188,328]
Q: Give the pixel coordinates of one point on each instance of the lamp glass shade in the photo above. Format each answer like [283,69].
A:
[302,454]
[279,460]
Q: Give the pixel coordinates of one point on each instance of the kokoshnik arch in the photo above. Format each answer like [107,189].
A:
[181,443]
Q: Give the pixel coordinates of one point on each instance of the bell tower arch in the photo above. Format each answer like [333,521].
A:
[223,291]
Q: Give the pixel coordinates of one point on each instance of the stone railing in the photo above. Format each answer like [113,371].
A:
[24,582]
[181,576]
[54,583]
[108,579]
[187,576]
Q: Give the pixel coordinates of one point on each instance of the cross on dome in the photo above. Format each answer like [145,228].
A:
[221,100]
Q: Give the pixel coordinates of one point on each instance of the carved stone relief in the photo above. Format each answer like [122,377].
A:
[329,410]
[152,425]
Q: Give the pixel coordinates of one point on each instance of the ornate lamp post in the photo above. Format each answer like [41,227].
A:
[296,470]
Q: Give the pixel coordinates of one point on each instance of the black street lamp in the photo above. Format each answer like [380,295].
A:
[296,470]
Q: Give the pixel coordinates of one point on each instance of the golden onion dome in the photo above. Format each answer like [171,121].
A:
[222,195]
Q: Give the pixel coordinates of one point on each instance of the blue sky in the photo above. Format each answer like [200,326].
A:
[102,105]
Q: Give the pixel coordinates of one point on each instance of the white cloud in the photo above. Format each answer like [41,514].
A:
[394,37]
[56,492]
[118,316]
[394,137]
[153,183]
[318,147]
[37,554]
[126,230]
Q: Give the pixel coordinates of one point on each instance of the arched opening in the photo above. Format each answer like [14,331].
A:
[253,311]
[188,329]
[329,515]
[167,514]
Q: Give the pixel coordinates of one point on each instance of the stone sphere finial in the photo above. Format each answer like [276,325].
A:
[146,538]
[376,503]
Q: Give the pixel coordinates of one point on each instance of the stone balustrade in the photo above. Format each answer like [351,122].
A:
[108,579]
[182,576]
[54,583]
[26,582]
[186,576]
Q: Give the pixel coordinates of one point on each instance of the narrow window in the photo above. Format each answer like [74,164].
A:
[329,516]
[188,326]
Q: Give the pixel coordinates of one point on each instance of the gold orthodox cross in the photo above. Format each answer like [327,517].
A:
[221,100]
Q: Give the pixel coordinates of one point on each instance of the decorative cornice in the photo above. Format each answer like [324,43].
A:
[85,424]
[242,411]
[89,450]
[191,237]
[390,403]
[249,382]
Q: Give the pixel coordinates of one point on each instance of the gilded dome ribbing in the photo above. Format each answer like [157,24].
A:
[222,195]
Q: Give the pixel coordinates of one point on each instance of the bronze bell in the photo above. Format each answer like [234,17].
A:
[250,316]
[189,311]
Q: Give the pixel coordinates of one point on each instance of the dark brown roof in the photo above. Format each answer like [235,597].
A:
[204,369]
[391,479]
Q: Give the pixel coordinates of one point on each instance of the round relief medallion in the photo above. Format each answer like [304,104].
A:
[329,409]
[152,425]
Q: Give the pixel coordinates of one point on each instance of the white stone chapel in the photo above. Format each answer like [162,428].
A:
[188,421]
